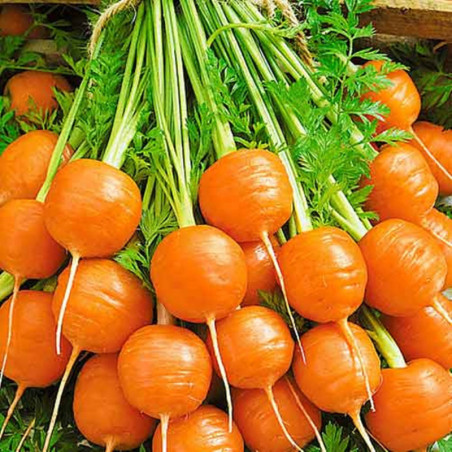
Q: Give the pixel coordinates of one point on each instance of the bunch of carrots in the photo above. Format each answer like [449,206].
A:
[150,233]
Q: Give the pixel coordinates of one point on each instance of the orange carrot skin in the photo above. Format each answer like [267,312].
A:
[440,225]
[92,209]
[32,358]
[34,89]
[259,426]
[26,248]
[425,334]
[246,193]
[403,184]
[107,304]
[261,273]
[15,20]
[412,407]
[101,411]
[199,273]
[406,267]
[255,345]
[439,142]
[205,429]
[24,163]
[402,99]
[165,370]
[325,274]
[331,376]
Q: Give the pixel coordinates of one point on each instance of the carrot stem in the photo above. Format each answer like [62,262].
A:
[306,415]
[67,372]
[362,430]
[67,293]
[6,285]
[66,130]
[271,399]
[224,377]
[383,340]
[268,245]
[164,420]
[17,283]
[25,435]
[223,138]
[19,392]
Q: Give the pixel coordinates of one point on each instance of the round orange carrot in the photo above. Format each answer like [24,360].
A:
[425,334]
[406,267]
[403,185]
[31,90]
[412,407]
[26,248]
[204,429]
[439,142]
[165,372]
[247,194]
[440,226]
[106,305]
[16,20]
[199,273]
[332,377]
[101,411]
[32,358]
[92,209]
[325,274]
[256,419]
[402,98]
[24,163]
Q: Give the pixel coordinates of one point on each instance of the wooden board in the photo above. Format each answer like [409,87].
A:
[63,2]
[430,19]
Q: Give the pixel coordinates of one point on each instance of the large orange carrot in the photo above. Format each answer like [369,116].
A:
[403,185]
[413,406]
[407,268]
[24,164]
[31,90]
[32,359]
[101,411]
[256,419]
[165,372]
[204,429]
[330,377]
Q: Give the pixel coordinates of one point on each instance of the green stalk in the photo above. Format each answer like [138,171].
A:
[383,340]
[291,62]
[130,101]
[223,138]
[63,138]
[169,97]
[6,285]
